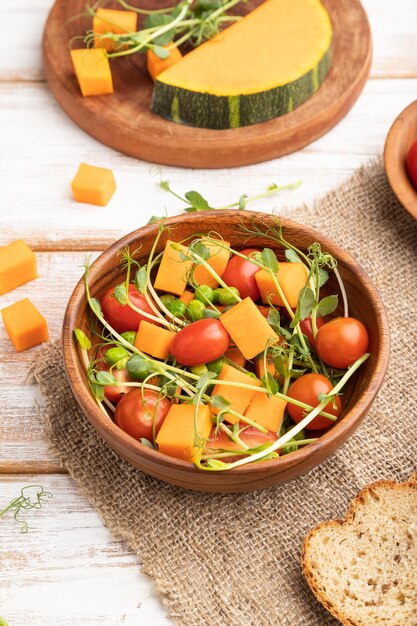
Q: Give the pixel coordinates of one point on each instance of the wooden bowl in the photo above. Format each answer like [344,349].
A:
[402,134]
[365,304]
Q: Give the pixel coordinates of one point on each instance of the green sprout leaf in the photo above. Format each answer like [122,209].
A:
[305,305]
[274,318]
[97,391]
[197,202]
[106,378]
[218,402]
[96,307]
[120,293]
[161,52]
[201,250]
[205,380]
[155,218]
[243,201]
[82,339]
[270,260]
[327,305]
[292,257]
[216,464]
[269,382]
[147,443]
[141,280]
[323,276]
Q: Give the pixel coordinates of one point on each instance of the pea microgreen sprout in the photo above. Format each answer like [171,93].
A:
[31,497]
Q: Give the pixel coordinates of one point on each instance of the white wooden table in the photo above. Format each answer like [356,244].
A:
[68,569]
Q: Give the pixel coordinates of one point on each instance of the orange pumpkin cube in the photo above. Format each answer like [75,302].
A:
[292,277]
[182,435]
[154,340]
[218,260]
[17,266]
[92,69]
[25,326]
[156,65]
[235,355]
[248,328]
[266,411]
[238,397]
[173,270]
[186,297]
[93,185]
[112,21]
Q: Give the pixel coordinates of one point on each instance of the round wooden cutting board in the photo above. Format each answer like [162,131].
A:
[125,122]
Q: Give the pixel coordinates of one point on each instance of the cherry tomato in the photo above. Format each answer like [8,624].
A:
[250,436]
[120,316]
[307,329]
[112,392]
[306,389]
[412,164]
[200,342]
[342,341]
[137,410]
[240,273]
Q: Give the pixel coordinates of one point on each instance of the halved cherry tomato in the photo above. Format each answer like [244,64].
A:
[412,164]
[240,273]
[250,436]
[120,316]
[137,410]
[307,389]
[342,341]
[112,392]
[200,342]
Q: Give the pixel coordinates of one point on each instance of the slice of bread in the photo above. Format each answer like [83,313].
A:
[363,568]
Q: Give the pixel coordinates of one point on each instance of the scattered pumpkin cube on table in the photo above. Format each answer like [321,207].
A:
[93,185]
[25,325]
[17,266]
[92,69]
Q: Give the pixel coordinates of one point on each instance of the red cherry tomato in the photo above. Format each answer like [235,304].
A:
[412,164]
[342,341]
[240,273]
[200,342]
[137,411]
[307,329]
[113,392]
[306,389]
[250,436]
[120,316]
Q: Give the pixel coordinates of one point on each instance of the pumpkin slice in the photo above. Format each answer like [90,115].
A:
[263,66]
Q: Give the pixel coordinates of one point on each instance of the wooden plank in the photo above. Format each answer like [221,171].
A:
[37,185]
[68,569]
[393,26]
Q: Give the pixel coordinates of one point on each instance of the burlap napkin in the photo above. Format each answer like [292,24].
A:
[235,560]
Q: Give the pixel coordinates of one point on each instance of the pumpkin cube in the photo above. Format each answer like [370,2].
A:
[238,397]
[248,328]
[235,355]
[154,340]
[182,436]
[112,21]
[218,260]
[173,270]
[156,65]
[24,324]
[92,69]
[17,266]
[93,185]
[266,411]
[292,277]
[186,297]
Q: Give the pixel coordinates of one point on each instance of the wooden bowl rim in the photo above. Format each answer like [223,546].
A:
[401,185]
[339,432]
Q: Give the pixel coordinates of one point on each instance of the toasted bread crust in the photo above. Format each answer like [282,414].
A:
[359,501]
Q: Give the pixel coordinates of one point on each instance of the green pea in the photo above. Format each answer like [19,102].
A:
[210,313]
[195,310]
[216,294]
[252,375]
[137,367]
[204,293]
[177,308]
[226,298]
[199,370]
[167,298]
[130,336]
[113,355]
[216,366]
